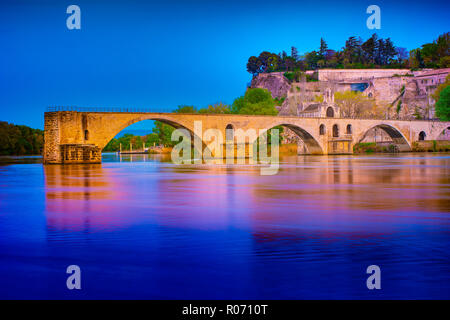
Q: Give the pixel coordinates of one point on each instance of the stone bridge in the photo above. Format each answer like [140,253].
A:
[79,137]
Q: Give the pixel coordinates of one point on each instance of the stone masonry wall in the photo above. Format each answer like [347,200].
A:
[51,138]
[358,74]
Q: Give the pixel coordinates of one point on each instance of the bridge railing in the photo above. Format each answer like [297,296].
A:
[167,110]
[107,109]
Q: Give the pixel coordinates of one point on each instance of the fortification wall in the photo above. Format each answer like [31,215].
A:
[358,74]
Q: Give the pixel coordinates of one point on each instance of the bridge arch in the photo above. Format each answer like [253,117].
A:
[422,135]
[443,134]
[312,144]
[117,126]
[397,137]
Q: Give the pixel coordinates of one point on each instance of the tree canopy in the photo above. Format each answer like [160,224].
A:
[20,140]
[443,105]
[375,52]
[354,104]
[255,101]
[217,108]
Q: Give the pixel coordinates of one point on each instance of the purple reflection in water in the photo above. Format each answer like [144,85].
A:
[145,228]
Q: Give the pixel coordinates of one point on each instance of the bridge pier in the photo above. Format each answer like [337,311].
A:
[340,146]
[52,151]
[60,150]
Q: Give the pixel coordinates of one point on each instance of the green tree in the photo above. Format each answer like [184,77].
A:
[444,62]
[20,140]
[370,48]
[264,58]
[273,63]
[432,55]
[112,146]
[217,108]
[152,139]
[137,142]
[352,50]
[289,63]
[255,101]
[389,51]
[443,105]
[254,65]
[185,109]
[311,59]
[443,50]
[415,59]
[294,53]
[354,104]
[323,49]
[429,55]
[164,133]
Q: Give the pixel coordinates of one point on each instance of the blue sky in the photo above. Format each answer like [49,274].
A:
[167,53]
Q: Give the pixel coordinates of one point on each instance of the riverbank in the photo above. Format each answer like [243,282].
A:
[418,146]
[160,150]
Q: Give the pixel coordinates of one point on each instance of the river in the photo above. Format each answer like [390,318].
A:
[142,228]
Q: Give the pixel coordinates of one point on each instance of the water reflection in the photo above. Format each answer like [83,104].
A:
[142,227]
[356,191]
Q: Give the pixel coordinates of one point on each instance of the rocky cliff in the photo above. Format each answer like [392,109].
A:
[399,95]
[275,82]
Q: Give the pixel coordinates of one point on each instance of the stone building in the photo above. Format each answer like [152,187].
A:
[428,81]
[327,108]
[402,93]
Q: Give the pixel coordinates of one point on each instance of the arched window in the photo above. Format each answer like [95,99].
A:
[330,112]
[370,95]
[422,136]
[322,129]
[86,134]
[229,132]
[335,130]
[349,129]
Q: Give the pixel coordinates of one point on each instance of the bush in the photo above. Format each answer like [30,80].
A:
[392,148]
[289,76]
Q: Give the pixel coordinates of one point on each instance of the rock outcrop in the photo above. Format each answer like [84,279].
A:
[275,82]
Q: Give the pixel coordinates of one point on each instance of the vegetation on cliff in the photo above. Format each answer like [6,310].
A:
[443,105]
[441,96]
[20,140]
[375,52]
[354,104]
